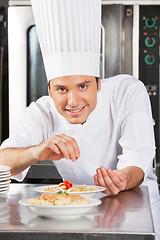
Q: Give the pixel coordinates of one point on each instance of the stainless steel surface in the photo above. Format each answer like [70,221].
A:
[102,53]
[127,215]
[112,23]
[117,20]
[127,43]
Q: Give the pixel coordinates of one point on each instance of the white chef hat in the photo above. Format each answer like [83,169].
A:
[69,36]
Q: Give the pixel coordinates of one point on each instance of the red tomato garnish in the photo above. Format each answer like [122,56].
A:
[67,184]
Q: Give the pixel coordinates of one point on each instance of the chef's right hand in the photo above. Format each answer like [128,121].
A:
[57,147]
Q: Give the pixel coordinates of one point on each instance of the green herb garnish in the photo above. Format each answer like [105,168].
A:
[62,192]
[59,192]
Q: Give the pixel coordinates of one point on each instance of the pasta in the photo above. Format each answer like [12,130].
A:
[58,199]
[70,188]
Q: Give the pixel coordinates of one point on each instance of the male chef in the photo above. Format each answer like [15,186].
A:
[95,131]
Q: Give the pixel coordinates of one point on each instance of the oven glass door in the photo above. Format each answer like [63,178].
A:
[36,77]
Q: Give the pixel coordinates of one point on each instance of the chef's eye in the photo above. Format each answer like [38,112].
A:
[62,90]
[82,87]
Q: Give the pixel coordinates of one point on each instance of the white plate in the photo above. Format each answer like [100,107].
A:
[4,168]
[61,212]
[3,188]
[5,174]
[4,183]
[4,179]
[89,194]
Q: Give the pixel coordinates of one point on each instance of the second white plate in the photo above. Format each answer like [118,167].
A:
[89,194]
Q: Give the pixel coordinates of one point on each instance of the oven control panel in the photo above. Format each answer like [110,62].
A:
[150,39]
[149,60]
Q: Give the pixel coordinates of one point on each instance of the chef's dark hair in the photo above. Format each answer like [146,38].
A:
[97,78]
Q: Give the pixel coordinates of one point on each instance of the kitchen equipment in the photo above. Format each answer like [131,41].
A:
[149,64]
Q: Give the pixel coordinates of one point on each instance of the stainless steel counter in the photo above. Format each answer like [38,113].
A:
[125,216]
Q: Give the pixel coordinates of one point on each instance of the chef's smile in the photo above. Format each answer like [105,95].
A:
[75,111]
[75,97]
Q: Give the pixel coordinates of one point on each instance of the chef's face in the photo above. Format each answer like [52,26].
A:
[75,97]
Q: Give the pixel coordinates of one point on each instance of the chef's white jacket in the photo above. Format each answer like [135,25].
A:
[118,133]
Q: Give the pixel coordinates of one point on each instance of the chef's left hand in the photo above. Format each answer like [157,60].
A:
[113,181]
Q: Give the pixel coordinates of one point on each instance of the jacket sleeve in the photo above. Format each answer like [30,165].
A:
[137,134]
[28,132]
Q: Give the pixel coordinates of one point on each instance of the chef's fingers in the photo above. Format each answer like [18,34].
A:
[67,146]
[60,146]
[53,156]
[46,150]
[113,190]
[53,147]
[101,181]
[104,180]
[71,141]
[117,178]
[96,180]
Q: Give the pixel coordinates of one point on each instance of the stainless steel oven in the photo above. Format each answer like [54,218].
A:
[27,81]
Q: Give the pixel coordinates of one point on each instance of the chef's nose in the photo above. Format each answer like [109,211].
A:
[73,99]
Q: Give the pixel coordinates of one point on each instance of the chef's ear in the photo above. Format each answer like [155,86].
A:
[49,89]
[98,84]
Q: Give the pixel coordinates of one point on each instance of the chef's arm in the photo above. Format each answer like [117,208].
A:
[55,148]
[119,180]
[18,159]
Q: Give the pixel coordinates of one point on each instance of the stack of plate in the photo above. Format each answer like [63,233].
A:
[4,180]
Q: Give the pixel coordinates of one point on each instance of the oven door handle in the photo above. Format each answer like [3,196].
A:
[103,50]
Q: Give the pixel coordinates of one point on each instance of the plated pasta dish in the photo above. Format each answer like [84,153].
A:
[69,187]
[58,199]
